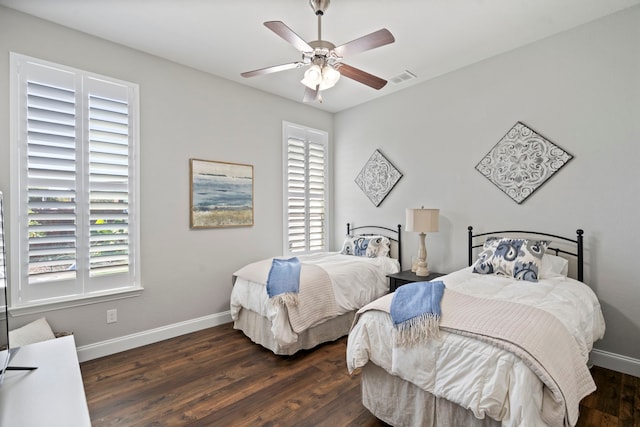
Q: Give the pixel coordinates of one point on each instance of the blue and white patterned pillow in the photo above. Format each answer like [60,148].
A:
[355,245]
[367,246]
[517,258]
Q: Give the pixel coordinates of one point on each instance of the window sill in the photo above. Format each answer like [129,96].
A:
[74,302]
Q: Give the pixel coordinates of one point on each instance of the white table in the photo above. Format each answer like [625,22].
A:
[52,395]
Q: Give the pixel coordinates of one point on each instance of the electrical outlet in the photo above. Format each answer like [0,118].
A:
[112,315]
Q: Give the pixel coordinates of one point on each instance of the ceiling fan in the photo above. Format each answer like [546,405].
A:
[323,58]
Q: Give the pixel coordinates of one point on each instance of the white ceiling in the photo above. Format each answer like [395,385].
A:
[227,37]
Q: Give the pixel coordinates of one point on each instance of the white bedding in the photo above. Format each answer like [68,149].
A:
[487,380]
[356,281]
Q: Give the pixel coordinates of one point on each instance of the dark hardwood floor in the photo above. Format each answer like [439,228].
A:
[616,402]
[217,377]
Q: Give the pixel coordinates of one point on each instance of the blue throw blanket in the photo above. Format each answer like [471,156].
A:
[415,311]
[283,282]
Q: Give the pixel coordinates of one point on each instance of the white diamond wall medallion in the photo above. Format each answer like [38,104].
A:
[521,162]
[377,178]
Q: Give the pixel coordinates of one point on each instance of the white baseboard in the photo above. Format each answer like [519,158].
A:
[127,342]
[615,362]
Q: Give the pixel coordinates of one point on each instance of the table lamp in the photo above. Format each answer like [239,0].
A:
[422,221]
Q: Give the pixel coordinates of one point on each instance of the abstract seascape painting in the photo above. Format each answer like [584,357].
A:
[221,194]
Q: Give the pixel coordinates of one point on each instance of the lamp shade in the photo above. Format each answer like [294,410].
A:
[320,77]
[422,220]
[312,77]
[330,77]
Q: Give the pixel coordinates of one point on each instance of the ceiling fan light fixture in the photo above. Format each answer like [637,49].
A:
[312,77]
[322,78]
[330,77]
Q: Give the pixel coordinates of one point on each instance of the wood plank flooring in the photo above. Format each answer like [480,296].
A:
[218,377]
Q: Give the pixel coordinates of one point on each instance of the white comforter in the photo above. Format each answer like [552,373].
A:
[356,281]
[487,380]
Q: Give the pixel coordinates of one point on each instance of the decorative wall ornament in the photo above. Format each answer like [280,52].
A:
[221,194]
[377,178]
[521,162]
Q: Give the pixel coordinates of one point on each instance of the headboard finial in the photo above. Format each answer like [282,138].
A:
[580,241]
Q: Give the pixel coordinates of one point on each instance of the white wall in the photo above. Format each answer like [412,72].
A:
[184,114]
[581,90]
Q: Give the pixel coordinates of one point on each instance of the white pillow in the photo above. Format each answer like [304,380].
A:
[36,331]
[553,266]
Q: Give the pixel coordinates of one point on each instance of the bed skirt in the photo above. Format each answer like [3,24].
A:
[401,403]
[258,329]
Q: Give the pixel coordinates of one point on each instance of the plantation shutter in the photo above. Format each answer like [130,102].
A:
[296,196]
[75,182]
[108,183]
[305,190]
[51,176]
[316,195]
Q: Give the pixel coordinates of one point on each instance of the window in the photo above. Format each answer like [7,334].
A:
[74,219]
[305,189]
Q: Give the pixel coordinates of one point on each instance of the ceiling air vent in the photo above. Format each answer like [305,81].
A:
[402,77]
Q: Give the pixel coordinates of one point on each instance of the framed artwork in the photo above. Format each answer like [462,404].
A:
[377,178]
[521,162]
[221,194]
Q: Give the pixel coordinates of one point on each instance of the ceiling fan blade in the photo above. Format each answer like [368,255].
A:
[287,33]
[361,76]
[310,95]
[273,69]
[370,41]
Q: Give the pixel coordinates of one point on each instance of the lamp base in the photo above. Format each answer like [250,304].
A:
[421,267]
[422,270]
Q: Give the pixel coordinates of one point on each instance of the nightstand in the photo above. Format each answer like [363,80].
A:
[402,278]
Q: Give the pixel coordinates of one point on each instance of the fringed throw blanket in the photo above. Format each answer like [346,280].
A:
[536,336]
[415,311]
[283,282]
[316,300]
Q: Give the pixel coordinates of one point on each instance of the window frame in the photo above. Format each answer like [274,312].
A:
[306,134]
[19,244]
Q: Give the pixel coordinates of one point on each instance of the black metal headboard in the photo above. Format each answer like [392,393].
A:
[578,241]
[395,236]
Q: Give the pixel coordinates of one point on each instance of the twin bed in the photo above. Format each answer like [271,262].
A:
[354,277]
[510,351]
[513,342]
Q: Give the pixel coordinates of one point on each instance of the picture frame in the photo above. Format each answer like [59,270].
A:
[220,194]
